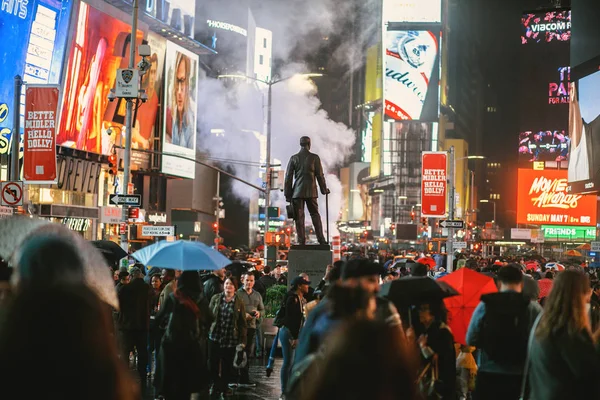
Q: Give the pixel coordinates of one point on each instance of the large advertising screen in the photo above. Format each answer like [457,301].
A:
[544,86]
[411,65]
[89,120]
[179,130]
[412,11]
[584,127]
[33,45]
[543,199]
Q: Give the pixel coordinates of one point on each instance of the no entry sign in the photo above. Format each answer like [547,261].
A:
[434,183]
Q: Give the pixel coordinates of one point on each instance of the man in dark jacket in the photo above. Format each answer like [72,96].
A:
[214,284]
[134,319]
[303,172]
[267,280]
[500,328]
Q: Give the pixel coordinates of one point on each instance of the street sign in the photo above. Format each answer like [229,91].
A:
[452,223]
[127,83]
[459,245]
[132,200]
[155,230]
[595,246]
[6,212]
[12,193]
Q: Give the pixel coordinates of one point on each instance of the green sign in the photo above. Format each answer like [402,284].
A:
[552,232]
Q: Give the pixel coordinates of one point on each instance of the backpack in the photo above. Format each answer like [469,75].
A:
[279,319]
[506,327]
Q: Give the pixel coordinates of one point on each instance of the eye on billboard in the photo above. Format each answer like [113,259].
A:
[179,133]
[411,65]
[543,199]
[412,11]
[584,128]
[33,46]
[546,27]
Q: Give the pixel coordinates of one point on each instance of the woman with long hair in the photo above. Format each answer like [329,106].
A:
[227,333]
[564,354]
[61,337]
[182,362]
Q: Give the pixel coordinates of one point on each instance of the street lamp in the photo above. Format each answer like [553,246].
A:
[269,84]
[493,202]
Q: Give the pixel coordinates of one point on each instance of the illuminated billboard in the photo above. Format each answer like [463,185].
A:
[551,26]
[555,233]
[412,11]
[545,76]
[543,199]
[33,46]
[100,46]
[411,65]
[584,128]
[179,131]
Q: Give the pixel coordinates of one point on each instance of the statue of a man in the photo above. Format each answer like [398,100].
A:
[304,170]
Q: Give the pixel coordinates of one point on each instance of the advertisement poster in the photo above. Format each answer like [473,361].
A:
[543,199]
[181,85]
[100,47]
[39,134]
[33,46]
[434,184]
[545,76]
[584,127]
[411,66]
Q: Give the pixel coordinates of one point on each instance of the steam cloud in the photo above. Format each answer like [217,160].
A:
[237,109]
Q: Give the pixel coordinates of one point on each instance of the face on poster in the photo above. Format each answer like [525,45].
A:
[181,85]
[89,121]
[33,46]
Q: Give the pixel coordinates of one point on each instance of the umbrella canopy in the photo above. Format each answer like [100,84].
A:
[572,253]
[182,255]
[415,290]
[556,266]
[585,246]
[430,262]
[111,251]
[471,285]
[14,231]
[545,287]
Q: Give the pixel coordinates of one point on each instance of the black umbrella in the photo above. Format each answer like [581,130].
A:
[111,251]
[237,269]
[416,290]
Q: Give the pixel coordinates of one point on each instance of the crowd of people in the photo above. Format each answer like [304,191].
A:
[536,337]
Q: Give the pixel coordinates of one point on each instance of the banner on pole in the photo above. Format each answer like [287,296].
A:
[39,134]
[434,185]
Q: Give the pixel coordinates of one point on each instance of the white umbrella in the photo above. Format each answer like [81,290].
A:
[14,231]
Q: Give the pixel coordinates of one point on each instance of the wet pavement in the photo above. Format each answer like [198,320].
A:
[266,388]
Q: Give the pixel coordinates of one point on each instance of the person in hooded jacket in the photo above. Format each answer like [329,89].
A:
[182,363]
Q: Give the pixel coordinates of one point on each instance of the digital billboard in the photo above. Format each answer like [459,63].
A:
[100,46]
[33,45]
[412,11]
[411,82]
[584,127]
[544,86]
[179,131]
[555,233]
[543,199]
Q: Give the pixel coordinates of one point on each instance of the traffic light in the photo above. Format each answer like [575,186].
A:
[215,227]
[412,216]
[424,221]
[113,164]
[392,228]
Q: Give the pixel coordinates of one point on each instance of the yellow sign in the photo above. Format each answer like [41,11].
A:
[376,147]
[538,165]
[373,77]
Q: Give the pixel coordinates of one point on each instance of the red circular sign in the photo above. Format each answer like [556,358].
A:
[12,193]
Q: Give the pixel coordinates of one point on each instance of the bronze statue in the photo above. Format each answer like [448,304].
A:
[304,170]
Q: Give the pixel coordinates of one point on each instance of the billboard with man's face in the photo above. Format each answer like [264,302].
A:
[179,129]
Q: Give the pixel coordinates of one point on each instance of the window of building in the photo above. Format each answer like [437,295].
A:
[265,43]
[260,59]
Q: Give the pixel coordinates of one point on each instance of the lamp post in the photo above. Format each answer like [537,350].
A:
[269,84]
[493,202]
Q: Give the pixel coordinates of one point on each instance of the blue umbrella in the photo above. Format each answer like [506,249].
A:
[182,255]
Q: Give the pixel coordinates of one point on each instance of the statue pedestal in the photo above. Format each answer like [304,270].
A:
[312,260]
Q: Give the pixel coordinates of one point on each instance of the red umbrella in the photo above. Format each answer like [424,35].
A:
[471,285]
[545,287]
[430,262]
